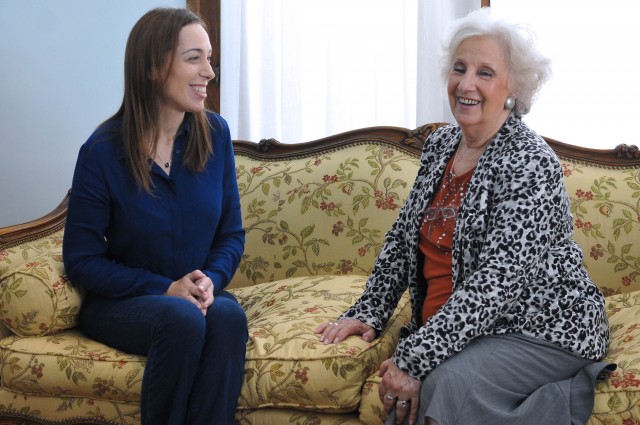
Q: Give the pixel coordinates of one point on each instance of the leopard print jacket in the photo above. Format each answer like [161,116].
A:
[516,267]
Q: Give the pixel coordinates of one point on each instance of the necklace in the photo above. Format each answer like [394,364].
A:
[167,164]
[441,214]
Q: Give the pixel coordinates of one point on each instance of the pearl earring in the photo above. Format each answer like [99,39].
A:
[509,103]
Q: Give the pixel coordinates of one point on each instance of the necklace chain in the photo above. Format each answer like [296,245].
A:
[167,164]
[446,208]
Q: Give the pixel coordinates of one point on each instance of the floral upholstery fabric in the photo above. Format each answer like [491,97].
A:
[320,215]
[617,399]
[269,416]
[26,273]
[287,366]
[67,374]
[58,409]
[605,203]
[29,271]
[370,409]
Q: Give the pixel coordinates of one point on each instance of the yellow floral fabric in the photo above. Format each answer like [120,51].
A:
[70,363]
[269,416]
[36,298]
[617,399]
[287,366]
[68,375]
[605,203]
[324,214]
[371,411]
[68,409]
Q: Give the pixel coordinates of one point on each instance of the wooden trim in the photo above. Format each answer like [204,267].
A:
[44,225]
[410,141]
[620,157]
[210,12]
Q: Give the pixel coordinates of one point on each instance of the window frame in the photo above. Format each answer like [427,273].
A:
[210,12]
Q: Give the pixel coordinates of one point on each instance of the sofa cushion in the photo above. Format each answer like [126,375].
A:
[619,396]
[287,366]
[71,364]
[606,222]
[274,416]
[64,409]
[36,298]
[371,410]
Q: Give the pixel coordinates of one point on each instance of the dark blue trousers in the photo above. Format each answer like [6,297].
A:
[194,364]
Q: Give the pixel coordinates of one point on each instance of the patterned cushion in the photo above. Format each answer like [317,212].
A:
[35,296]
[606,213]
[69,363]
[618,398]
[371,409]
[62,409]
[268,416]
[286,364]
[319,215]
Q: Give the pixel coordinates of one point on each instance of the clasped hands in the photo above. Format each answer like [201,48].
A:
[195,287]
[397,388]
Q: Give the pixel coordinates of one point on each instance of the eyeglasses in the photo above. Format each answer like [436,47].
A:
[433,213]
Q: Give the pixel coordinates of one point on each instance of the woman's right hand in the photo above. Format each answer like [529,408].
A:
[194,287]
[334,332]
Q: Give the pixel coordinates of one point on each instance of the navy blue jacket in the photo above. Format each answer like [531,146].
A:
[121,241]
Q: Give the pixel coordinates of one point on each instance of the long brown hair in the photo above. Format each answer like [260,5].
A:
[149,50]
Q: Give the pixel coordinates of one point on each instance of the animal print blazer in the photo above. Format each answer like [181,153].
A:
[516,267]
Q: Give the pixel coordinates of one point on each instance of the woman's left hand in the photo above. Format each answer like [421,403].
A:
[400,390]
[205,286]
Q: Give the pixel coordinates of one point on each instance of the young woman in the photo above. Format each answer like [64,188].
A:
[154,231]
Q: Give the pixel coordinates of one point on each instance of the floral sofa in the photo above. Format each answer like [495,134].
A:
[315,214]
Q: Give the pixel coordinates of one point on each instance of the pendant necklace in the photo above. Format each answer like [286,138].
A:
[167,164]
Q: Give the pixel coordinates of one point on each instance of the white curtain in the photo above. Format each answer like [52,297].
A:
[300,70]
[433,19]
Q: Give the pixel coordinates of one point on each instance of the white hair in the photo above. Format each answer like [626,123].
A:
[529,69]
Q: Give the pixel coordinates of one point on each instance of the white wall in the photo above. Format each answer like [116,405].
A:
[61,74]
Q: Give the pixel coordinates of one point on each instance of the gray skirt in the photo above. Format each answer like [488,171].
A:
[510,379]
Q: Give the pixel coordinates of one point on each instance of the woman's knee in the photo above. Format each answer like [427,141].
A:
[181,319]
[226,308]
[226,315]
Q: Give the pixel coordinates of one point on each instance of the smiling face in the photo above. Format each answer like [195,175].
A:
[478,85]
[185,87]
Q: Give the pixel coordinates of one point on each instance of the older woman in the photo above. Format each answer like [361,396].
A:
[507,326]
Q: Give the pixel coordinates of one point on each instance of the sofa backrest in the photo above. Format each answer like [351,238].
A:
[323,207]
[604,188]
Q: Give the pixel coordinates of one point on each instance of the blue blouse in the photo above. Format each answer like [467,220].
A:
[120,241]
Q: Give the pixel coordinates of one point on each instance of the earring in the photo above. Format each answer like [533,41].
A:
[509,103]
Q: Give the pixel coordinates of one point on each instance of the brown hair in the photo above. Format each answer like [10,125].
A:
[149,50]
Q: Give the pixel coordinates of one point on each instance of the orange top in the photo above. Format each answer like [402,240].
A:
[436,239]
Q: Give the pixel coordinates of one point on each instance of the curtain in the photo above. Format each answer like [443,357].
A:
[300,70]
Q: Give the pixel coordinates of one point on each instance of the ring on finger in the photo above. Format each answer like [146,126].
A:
[403,403]
[389,397]
[333,324]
